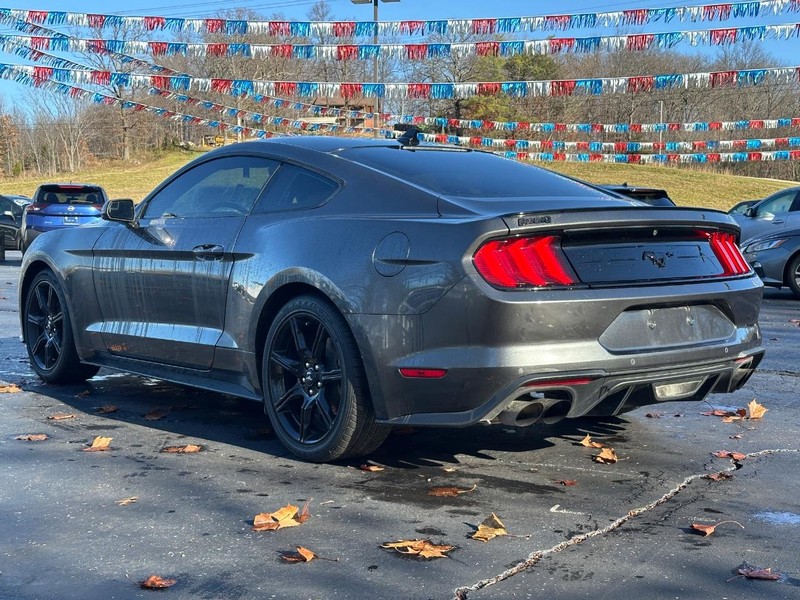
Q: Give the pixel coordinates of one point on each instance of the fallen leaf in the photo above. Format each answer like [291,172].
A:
[795,322]
[756,410]
[10,388]
[83,394]
[371,468]
[421,548]
[99,444]
[127,501]
[707,530]
[450,492]
[718,413]
[300,555]
[187,449]
[32,437]
[607,456]
[490,528]
[288,516]
[155,415]
[758,573]
[60,417]
[155,582]
[738,436]
[449,469]
[567,482]
[587,441]
[655,415]
[729,454]
[719,476]
[107,408]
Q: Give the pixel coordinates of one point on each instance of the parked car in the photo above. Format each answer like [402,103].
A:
[11,209]
[59,206]
[740,207]
[775,257]
[773,214]
[651,196]
[351,285]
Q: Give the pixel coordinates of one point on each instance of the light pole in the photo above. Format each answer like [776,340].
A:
[376,120]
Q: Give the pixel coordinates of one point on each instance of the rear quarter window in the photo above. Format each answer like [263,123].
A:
[295,188]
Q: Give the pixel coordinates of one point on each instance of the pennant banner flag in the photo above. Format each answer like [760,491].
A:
[350,29]
[652,159]
[632,43]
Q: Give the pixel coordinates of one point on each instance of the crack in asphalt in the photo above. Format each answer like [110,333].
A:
[533,558]
[778,372]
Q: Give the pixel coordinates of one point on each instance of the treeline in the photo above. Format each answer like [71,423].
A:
[49,133]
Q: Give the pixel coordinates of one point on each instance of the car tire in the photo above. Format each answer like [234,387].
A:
[48,333]
[793,275]
[315,390]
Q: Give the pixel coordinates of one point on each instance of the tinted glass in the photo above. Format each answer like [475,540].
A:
[294,188]
[779,204]
[69,194]
[221,187]
[468,174]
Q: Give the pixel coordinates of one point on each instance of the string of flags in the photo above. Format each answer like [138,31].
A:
[349,29]
[342,52]
[305,89]
[645,159]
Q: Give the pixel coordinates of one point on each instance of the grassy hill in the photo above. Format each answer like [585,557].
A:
[134,179]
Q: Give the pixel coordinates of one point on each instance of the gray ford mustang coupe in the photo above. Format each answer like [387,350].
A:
[353,285]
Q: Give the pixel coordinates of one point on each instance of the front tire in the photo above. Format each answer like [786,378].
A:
[48,333]
[793,276]
[315,390]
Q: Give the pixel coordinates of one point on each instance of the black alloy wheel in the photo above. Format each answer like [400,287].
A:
[314,387]
[48,333]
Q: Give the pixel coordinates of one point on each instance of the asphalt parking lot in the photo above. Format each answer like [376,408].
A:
[64,535]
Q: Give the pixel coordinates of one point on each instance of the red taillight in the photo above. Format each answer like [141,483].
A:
[423,373]
[35,207]
[524,262]
[728,253]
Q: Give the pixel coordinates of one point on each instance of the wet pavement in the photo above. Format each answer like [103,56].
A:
[63,535]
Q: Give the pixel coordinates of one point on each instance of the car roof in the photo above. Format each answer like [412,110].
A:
[317,143]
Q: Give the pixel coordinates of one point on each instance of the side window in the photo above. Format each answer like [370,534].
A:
[217,188]
[778,204]
[295,188]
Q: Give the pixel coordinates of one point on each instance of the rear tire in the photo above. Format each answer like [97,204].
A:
[48,333]
[315,391]
[793,276]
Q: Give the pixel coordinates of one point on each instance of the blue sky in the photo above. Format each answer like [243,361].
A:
[787,53]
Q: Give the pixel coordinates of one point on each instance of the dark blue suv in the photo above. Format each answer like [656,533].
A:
[60,205]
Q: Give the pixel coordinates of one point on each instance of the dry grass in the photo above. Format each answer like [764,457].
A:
[135,179]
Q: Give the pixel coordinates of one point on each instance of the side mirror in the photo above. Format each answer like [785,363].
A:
[9,214]
[750,212]
[120,210]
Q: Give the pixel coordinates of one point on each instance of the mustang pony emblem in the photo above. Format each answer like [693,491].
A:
[659,260]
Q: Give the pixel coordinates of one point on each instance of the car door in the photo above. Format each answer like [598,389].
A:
[768,216]
[162,284]
[9,221]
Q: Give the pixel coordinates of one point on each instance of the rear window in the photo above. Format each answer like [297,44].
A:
[69,194]
[467,174]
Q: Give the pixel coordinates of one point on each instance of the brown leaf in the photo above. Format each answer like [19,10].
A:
[155,415]
[288,516]
[300,555]
[421,548]
[719,476]
[731,419]
[83,394]
[10,388]
[738,436]
[99,444]
[607,456]
[567,482]
[758,573]
[371,468]
[490,528]
[654,415]
[450,492]
[60,417]
[756,410]
[155,582]
[449,469]
[127,501]
[795,322]
[718,413]
[32,437]
[106,408]
[587,441]
[706,530]
[187,449]
[729,454]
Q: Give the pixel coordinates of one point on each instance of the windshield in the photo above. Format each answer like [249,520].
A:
[468,174]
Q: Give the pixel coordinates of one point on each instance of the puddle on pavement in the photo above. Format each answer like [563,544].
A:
[778,518]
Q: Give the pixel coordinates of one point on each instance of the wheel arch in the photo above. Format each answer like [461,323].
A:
[787,275]
[32,270]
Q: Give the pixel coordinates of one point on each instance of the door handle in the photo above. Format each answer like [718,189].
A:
[208,252]
[777,221]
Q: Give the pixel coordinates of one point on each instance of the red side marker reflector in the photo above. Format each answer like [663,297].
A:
[423,373]
[560,382]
